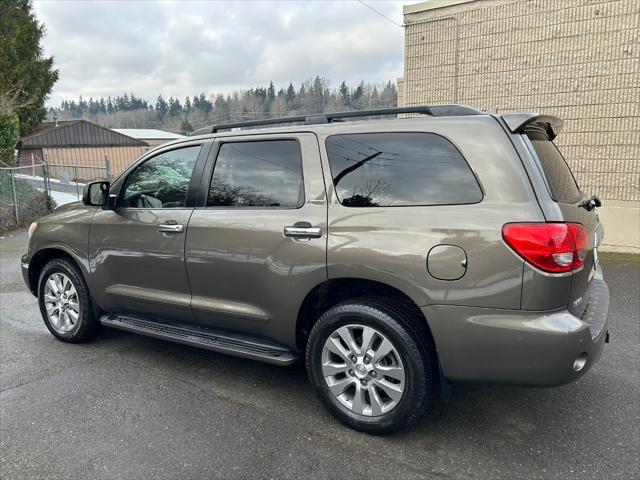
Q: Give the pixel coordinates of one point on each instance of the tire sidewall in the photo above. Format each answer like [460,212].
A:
[61,266]
[415,366]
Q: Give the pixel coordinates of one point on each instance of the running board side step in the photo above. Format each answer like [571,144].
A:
[222,342]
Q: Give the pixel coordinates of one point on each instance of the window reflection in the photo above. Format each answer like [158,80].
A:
[257,174]
[162,181]
[392,169]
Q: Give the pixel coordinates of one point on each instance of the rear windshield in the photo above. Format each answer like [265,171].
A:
[562,184]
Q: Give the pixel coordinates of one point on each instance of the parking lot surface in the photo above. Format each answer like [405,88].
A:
[126,406]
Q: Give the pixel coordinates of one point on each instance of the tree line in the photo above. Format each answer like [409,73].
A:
[26,75]
[183,116]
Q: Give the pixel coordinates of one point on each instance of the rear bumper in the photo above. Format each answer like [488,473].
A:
[518,346]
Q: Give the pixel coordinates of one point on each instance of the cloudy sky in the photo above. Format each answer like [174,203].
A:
[183,48]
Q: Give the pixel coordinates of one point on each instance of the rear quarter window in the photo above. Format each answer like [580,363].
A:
[399,169]
[562,184]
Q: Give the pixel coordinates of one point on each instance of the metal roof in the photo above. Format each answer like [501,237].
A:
[148,133]
[76,133]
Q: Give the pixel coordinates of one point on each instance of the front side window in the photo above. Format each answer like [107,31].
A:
[257,174]
[399,169]
[162,181]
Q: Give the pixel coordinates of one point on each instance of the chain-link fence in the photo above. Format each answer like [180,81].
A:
[24,195]
[28,192]
[71,179]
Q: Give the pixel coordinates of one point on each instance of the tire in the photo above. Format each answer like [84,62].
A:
[371,403]
[76,320]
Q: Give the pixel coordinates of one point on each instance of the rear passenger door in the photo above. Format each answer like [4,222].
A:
[256,245]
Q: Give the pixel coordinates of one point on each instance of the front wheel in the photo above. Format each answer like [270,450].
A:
[65,302]
[371,364]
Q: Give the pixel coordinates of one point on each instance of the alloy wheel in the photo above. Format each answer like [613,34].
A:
[61,302]
[363,370]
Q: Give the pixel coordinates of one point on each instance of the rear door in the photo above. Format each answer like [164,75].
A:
[137,249]
[564,190]
[256,245]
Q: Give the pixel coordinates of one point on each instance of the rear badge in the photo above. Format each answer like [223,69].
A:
[577,302]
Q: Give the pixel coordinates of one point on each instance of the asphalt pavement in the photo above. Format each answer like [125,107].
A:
[126,406]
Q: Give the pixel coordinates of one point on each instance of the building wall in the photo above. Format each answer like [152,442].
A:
[30,156]
[119,159]
[576,59]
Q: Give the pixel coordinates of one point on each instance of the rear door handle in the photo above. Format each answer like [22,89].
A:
[302,232]
[170,228]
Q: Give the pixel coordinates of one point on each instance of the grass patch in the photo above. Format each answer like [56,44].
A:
[615,257]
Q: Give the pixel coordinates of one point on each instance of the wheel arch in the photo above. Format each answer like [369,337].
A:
[333,291]
[44,256]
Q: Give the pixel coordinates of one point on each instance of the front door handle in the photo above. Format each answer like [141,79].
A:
[302,230]
[170,227]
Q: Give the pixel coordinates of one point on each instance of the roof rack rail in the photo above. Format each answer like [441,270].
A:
[319,118]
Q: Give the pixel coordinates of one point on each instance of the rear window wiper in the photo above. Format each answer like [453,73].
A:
[590,203]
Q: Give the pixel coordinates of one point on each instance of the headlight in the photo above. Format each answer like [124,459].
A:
[32,229]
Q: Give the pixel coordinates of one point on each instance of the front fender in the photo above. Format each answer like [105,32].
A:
[65,232]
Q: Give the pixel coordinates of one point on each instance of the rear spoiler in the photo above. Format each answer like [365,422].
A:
[518,122]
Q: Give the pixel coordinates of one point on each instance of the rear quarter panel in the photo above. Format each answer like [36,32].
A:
[390,244]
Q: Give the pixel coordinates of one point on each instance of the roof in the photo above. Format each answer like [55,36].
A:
[327,117]
[431,5]
[401,124]
[76,133]
[148,133]
[333,123]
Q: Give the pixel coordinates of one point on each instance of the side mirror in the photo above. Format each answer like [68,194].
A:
[96,194]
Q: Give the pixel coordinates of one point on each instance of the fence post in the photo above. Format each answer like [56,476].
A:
[107,167]
[15,200]
[33,168]
[75,174]
[47,186]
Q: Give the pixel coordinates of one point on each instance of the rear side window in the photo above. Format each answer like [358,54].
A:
[562,184]
[257,174]
[399,169]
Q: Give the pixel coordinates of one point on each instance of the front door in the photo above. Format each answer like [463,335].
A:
[137,250]
[257,245]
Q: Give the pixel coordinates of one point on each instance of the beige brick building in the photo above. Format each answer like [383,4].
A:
[576,59]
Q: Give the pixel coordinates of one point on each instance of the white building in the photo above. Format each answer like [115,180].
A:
[152,136]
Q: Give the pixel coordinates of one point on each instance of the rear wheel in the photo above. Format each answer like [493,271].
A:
[371,364]
[65,302]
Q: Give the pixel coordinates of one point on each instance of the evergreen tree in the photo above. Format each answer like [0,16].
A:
[27,75]
[271,92]
[186,128]
[291,95]
[357,94]
[175,109]
[345,97]
[161,107]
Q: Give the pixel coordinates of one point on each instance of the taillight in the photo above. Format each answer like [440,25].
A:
[551,247]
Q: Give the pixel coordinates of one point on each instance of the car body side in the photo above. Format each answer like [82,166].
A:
[501,321]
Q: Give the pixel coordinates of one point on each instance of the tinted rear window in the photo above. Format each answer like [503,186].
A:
[257,174]
[399,169]
[562,184]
